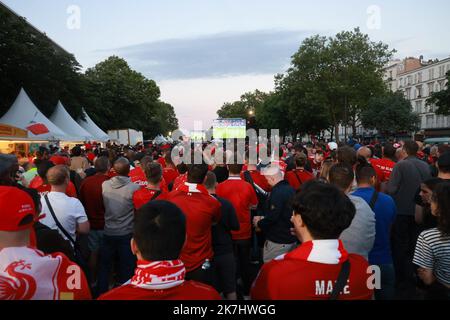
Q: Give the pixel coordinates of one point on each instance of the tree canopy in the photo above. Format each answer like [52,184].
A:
[389,114]
[31,60]
[333,77]
[441,99]
[114,95]
[329,83]
[119,97]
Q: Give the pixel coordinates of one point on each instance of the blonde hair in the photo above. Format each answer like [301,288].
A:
[325,170]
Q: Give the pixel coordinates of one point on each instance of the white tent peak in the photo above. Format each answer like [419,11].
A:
[62,119]
[23,112]
[92,128]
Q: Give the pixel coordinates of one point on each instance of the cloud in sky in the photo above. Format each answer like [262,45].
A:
[218,55]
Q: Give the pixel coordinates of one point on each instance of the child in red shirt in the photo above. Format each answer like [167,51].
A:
[152,190]
[299,175]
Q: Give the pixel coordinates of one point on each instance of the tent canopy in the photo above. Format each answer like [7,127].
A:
[92,128]
[23,113]
[159,139]
[62,119]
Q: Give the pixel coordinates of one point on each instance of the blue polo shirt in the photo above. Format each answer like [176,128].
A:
[385,212]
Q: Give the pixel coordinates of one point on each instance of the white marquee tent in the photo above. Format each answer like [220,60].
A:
[23,113]
[62,119]
[92,128]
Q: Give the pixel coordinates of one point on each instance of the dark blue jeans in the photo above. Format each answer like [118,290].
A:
[112,247]
[387,291]
[404,238]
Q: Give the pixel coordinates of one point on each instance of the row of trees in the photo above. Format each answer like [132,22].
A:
[113,94]
[331,81]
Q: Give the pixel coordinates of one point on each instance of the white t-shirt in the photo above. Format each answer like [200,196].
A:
[69,211]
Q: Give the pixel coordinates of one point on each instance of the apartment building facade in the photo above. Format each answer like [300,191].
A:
[417,80]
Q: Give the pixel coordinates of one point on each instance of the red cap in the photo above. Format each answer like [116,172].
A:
[16,206]
[57,160]
[165,146]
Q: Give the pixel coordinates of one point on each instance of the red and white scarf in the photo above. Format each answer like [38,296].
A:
[193,188]
[319,251]
[158,275]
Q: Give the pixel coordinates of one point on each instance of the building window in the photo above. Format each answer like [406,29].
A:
[418,107]
[419,77]
[430,88]
[408,93]
[419,92]
[429,121]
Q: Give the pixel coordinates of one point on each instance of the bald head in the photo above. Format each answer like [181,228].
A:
[102,165]
[122,167]
[58,175]
[364,152]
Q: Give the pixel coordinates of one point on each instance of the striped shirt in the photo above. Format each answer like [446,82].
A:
[433,252]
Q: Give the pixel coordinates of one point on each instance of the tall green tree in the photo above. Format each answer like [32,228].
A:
[333,77]
[441,99]
[243,108]
[29,59]
[164,120]
[119,97]
[390,114]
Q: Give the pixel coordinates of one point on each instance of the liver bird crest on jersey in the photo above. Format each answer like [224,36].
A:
[18,286]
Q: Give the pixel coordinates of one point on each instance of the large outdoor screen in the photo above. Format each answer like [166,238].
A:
[229,129]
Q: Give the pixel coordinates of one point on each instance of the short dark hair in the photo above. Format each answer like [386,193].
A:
[197,173]
[101,164]
[389,150]
[159,231]
[182,168]
[443,148]
[300,160]
[325,210]
[444,163]
[346,155]
[411,147]
[364,171]
[43,167]
[153,172]
[211,180]
[341,175]
[441,195]
[122,166]
[235,168]
[76,151]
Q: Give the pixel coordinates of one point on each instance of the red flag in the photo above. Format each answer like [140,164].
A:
[38,128]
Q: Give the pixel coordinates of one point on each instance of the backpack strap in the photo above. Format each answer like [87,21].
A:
[156,195]
[374,199]
[298,178]
[58,224]
[341,280]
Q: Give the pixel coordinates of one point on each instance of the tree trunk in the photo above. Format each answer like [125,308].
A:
[336,132]
[354,129]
